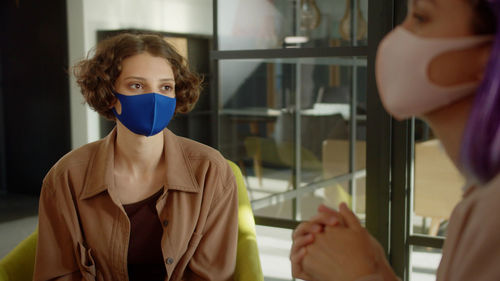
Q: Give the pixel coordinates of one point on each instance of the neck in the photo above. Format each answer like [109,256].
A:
[448,124]
[135,153]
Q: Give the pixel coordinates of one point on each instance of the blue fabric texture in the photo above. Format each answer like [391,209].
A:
[145,114]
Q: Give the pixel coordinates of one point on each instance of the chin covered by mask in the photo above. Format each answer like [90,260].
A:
[145,114]
[402,65]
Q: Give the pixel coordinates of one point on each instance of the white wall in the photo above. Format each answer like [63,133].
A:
[86,17]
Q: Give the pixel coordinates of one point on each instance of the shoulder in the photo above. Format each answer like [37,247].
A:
[486,205]
[207,161]
[479,210]
[475,235]
[73,163]
[195,150]
[200,154]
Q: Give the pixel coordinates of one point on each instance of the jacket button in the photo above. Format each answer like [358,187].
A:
[165,223]
[170,261]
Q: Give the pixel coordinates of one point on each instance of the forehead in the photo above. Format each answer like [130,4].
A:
[146,64]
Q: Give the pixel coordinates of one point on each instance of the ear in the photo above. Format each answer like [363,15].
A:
[113,103]
[484,54]
[116,104]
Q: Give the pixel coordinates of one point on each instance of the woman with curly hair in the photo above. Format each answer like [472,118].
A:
[442,65]
[142,203]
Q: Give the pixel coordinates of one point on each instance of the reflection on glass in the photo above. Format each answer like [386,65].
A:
[347,21]
[438,185]
[287,124]
[263,24]
[336,163]
[310,15]
[424,262]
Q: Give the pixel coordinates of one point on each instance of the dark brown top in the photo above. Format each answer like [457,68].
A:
[145,259]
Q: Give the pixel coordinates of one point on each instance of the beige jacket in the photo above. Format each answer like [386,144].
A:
[84,230]
[471,251]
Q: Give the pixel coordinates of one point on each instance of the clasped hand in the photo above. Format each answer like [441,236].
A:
[334,246]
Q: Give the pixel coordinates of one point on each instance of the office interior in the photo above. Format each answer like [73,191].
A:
[289,96]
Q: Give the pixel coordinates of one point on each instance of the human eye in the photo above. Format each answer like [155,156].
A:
[136,86]
[421,12]
[167,88]
[420,18]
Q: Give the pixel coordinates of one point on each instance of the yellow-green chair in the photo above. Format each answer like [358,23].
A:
[247,257]
[18,265]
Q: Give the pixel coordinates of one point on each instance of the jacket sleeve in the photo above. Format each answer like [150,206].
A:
[56,247]
[215,256]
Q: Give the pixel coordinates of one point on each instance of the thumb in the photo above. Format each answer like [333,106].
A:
[350,218]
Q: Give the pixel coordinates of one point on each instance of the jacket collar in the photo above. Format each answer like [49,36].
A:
[178,172]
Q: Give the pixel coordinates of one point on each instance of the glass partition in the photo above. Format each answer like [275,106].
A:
[424,262]
[264,24]
[290,124]
[437,187]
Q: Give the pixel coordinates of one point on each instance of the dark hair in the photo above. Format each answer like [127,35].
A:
[97,74]
[484,21]
[480,154]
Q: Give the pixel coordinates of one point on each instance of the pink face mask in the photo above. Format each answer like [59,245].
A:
[402,72]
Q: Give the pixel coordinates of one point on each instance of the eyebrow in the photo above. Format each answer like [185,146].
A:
[143,79]
[429,1]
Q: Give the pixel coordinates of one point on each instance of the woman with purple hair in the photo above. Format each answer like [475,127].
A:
[442,65]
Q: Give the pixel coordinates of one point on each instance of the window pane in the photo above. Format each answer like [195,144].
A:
[268,24]
[438,184]
[274,251]
[287,123]
[424,262]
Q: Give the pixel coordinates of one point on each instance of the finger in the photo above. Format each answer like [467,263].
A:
[305,228]
[329,219]
[300,243]
[325,209]
[350,218]
[297,256]
[296,261]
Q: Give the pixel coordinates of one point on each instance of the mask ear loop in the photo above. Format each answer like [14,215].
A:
[117,100]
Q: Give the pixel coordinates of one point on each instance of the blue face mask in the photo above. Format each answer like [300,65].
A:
[145,114]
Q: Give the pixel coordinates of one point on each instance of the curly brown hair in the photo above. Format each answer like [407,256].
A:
[97,74]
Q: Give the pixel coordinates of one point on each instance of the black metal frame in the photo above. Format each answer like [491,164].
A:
[290,53]
[3,176]
[378,131]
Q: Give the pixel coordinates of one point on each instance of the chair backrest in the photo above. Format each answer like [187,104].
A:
[19,264]
[248,266]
